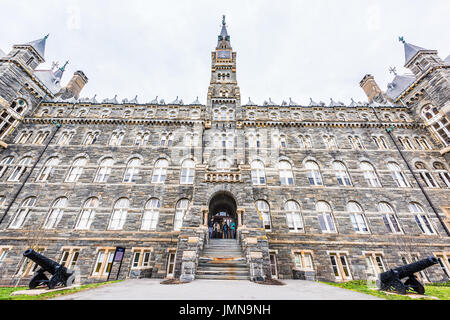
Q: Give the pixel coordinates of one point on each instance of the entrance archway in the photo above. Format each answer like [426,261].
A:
[222,216]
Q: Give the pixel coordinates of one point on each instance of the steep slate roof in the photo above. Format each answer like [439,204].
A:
[38,45]
[49,79]
[399,84]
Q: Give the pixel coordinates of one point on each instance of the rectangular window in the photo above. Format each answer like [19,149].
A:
[69,258]
[273,265]
[28,266]
[171,264]
[340,266]
[424,224]
[444,263]
[303,260]
[3,254]
[104,262]
[141,258]
[375,264]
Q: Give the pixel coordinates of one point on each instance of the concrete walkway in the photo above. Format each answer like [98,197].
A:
[151,289]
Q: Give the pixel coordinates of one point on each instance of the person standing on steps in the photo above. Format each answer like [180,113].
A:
[225,230]
[233,230]
[210,227]
[216,230]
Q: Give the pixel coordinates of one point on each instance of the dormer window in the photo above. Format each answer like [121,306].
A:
[30,61]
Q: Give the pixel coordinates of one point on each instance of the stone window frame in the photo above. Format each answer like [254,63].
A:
[356,142]
[303,254]
[265,215]
[258,173]
[116,138]
[90,137]
[373,174]
[48,169]
[405,257]
[132,169]
[425,175]
[153,211]
[160,171]
[380,142]
[434,119]
[286,173]
[142,261]
[181,211]
[273,263]
[171,263]
[67,135]
[374,265]
[13,115]
[78,169]
[440,169]
[4,250]
[444,262]
[355,220]
[326,220]
[25,207]
[41,136]
[104,170]
[91,210]
[142,138]
[386,216]
[398,175]
[20,168]
[5,164]
[341,277]
[330,142]
[24,137]
[73,254]
[423,143]
[296,228]
[313,173]
[120,209]
[305,141]
[166,139]
[2,200]
[187,173]
[422,218]
[108,256]
[55,213]
[342,174]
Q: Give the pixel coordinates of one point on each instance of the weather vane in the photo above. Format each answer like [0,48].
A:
[401,39]
[393,70]
[223,19]
[55,64]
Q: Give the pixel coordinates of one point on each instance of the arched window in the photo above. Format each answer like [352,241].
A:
[398,175]
[90,138]
[357,217]
[180,212]
[87,214]
[325,216]
[132,170]
[286,175]
[48,169]
[40,138]
[426,176]
[119,214]
[293,216]
[263,209]
[20,169]
[56,213]
[151,215]
[24,137]
[421,218]
[104,170]
[313,173]
[438,123]
[166,139]
[22,213]
[76,170]
[443,173]
[356,143]
[330,142]
[305,142]
[160,171]
[342,175]
[141,139]
[370,174]
[223,165]
[187,172]
[4,165]
[422,143]
[116,138]
[389,218]
[64,138]
[258,172]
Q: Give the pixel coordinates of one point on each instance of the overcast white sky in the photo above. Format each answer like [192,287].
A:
[297,49]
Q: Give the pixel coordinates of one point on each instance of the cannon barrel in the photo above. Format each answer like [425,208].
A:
[409,269]
[44,262]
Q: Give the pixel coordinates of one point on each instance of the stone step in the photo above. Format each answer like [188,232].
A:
[222,269]
[221,277]
[206,251]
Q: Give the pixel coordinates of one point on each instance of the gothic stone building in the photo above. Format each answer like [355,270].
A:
[322,191]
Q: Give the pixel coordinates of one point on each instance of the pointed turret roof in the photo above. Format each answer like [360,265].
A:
[39,46]
[224,34]
[60,71]
[411,50]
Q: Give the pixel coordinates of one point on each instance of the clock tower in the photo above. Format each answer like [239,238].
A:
[224,97]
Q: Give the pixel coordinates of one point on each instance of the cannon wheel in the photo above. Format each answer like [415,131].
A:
[70,280]
[37,280]
[398,286]
[415,285]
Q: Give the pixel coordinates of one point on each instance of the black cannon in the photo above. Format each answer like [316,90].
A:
[60,274]
[391,280]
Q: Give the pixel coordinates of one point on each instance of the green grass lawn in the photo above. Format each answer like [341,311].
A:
[440,291]
[5,292]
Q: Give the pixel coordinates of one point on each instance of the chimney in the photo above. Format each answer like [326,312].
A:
[370,87]
[75,85]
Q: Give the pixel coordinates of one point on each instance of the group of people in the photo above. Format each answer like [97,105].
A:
[225,229]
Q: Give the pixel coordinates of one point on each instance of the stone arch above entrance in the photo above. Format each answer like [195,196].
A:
[222,215]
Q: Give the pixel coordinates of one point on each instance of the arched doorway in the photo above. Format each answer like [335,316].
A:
[222,216]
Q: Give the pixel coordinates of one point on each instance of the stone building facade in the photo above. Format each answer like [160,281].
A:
[331,191]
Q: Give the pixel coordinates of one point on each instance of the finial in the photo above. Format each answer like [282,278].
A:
[45,38]
[223,20]
[393,70]
[64,66]
[401,39]
[55,64]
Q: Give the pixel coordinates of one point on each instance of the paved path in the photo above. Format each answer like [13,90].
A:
[151,289]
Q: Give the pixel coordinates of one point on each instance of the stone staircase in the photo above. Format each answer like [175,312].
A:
[222,259]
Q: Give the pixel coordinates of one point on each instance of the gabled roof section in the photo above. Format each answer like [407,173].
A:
[399,84]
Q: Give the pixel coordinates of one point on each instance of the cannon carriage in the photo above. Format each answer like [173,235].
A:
[61,276]
[392,279]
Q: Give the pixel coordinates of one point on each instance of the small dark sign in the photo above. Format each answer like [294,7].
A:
[119,254]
